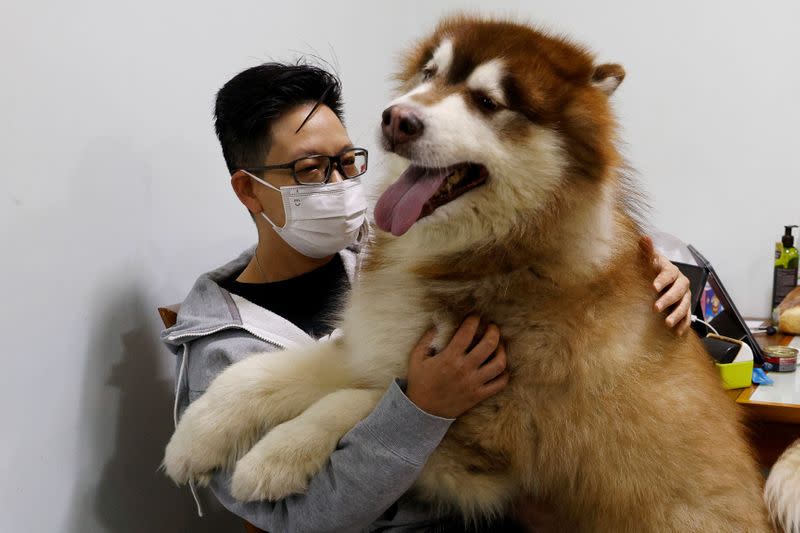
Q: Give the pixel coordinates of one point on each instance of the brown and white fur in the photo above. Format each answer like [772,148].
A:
[609,418]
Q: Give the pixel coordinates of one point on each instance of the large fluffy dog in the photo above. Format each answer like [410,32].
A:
[514,208]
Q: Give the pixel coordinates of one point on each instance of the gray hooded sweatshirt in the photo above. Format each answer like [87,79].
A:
[363,486]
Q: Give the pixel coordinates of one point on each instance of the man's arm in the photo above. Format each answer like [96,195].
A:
[380,458]
[373,466]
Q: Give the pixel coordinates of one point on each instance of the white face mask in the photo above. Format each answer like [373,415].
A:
[323,219]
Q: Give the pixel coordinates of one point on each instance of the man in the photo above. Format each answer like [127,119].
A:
[296,171]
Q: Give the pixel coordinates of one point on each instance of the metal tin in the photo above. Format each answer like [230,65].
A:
[780,359]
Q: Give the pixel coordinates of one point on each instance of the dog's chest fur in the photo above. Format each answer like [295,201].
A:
[549,330]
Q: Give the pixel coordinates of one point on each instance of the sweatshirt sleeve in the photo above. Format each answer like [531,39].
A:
[372,467]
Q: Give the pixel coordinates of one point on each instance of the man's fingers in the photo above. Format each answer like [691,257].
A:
[678,290]
[463,336]
[485,347]
[423,347]
[493,368]
[494,386]
[667,275]
[680,312]
[685,325]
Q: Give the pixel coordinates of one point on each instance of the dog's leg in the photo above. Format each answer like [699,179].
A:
[283,461]
[464,479]
[782,491]
[246,399]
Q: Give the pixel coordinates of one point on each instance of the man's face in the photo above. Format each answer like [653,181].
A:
[323,134]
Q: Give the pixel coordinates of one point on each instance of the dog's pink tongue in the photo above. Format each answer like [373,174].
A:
[400,206]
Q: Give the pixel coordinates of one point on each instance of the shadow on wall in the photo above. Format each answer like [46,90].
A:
[126,413]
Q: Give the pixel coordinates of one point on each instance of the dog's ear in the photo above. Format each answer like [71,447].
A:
[607,77]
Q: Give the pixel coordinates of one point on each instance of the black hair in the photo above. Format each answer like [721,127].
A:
[254,99]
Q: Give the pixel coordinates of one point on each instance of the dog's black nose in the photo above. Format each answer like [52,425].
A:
[401,124]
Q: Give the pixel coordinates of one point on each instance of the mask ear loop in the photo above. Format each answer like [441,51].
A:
[264,215]
[363,234]
[361,242]
[262,182]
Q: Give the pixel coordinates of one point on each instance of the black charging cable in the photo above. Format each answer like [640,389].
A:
[770,330]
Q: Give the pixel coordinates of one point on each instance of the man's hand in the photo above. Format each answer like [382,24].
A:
[674,289]
[449,383]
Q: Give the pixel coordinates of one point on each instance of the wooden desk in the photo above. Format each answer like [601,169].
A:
[772,426]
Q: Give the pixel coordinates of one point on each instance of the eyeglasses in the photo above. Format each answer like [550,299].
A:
[317,169]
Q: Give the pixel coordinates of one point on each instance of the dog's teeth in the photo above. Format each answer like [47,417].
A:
[456,176]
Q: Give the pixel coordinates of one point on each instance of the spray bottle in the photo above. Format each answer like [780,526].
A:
[785,274]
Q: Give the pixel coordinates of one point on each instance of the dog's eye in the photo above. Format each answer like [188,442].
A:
[485,102]
[428,73]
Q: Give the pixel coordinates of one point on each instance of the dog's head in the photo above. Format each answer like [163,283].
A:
[498,121]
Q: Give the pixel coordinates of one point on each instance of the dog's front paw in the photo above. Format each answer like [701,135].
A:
[197,447]
[268,478]
[184,461]
[282,463]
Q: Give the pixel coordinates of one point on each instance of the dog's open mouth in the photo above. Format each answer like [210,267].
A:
[420,190]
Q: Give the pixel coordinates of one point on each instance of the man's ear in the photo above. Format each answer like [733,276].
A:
[243,187]
[607,77]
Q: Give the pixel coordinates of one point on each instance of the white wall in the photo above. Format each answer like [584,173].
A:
[114,195]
